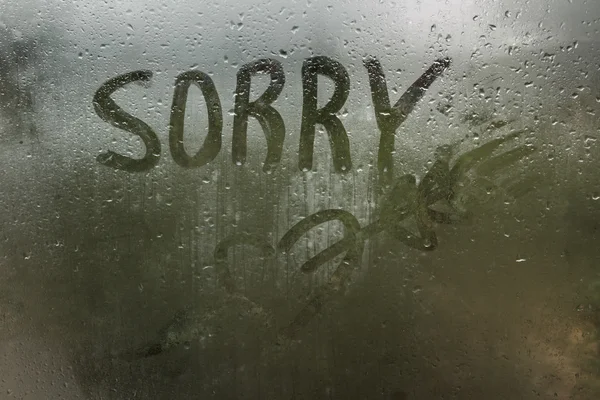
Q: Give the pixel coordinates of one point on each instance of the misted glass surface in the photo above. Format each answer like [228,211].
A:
[299,200]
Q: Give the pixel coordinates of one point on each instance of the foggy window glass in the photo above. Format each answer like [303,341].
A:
[299,200]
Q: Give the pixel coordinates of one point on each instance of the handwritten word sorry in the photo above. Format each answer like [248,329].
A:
[389,118]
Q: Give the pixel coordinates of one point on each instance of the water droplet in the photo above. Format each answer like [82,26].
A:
[187,345]
[595,196]
[520,260]
[417,289]
[294,29]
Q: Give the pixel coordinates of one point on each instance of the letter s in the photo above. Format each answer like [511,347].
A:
[109,111]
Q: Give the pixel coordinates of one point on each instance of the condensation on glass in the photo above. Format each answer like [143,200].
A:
[306,200]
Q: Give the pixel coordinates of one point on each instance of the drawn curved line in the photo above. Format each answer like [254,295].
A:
[351,225]
[222,248]
[470,159]
[493,165]
[353,243]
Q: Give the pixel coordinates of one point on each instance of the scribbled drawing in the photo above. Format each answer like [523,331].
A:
[453,180]
[476,169]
